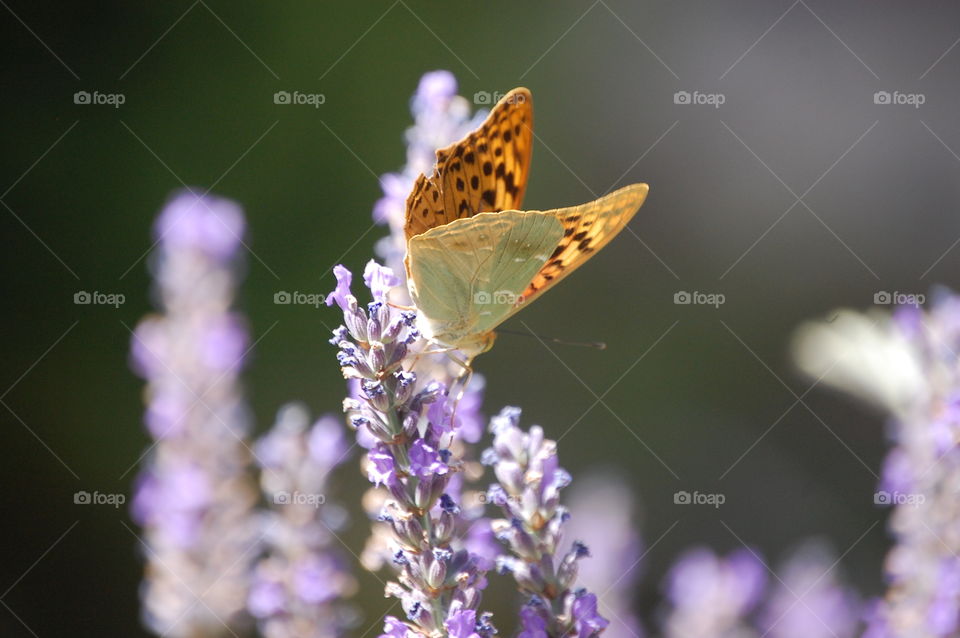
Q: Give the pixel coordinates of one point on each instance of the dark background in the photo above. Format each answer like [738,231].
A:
[81,184]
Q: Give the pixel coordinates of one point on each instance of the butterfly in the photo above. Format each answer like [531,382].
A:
[474,258]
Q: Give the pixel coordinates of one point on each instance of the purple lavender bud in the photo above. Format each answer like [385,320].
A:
[356,321]
[461,623]
[374,323]
[533,620]
[393,330]
[489,457]
[381,468]
[340,333]
[446,526]
[411,532]
[567,572]
[510,475]
[448,505]
[437,567]
[379,279]
[377,358]
[378,430]
[341,294]
[418,611]
[193,223]
[586,619]
[376,395]
[395,353]
[509,417]
[393,628]
[411,423]
[405,386]
[425,461]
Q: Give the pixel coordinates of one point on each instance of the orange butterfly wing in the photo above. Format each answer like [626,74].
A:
[587,228]
[484,172]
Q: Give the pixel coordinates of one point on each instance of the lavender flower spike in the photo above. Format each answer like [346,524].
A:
[711,596]
[810,601]
[907,364]
[528,490]
[194,496]
[439,582]
[299,586]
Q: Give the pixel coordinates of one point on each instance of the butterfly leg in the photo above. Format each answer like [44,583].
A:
[427,351]
[463,380]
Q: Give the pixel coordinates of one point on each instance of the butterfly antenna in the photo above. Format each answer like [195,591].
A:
[596,345]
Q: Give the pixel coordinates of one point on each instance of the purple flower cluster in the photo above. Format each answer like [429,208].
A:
[528,491]
[299,585]
[907,364]
[710,595]
[194,497]
[809,600]
[439,582]
[728,597]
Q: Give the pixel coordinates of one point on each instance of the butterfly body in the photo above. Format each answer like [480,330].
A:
[473,258]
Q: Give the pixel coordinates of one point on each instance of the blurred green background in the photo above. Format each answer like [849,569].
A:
[693,397]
